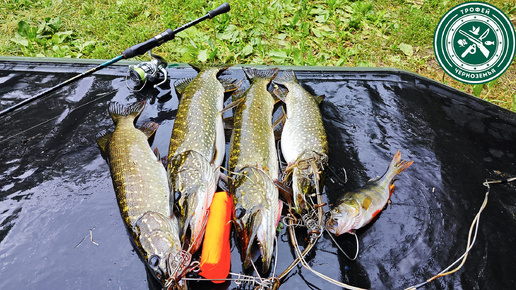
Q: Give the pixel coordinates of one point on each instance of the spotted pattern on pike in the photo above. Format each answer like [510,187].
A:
[198,117]
[196,151]
[303,140]
[141,186]
[253,164]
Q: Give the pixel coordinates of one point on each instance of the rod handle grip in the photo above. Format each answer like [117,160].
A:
[142,48]
[223,8]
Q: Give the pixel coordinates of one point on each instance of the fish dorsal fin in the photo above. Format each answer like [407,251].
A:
[232,105]
[238,94]
[200,66]
[319,99]
[229,84]
[149,129]
[285,192]
[103,138]
[279,93]
[181,84]
[281,119]
[117,110]
[228,123]
[164,160]
[156,152]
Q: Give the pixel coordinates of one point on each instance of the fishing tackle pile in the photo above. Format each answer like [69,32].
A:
[166,206]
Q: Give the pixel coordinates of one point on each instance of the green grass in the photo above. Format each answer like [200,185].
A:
[379,33]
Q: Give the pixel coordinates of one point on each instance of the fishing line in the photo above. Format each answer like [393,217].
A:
[473,231]
[241,279]
[321,275]
[102,95]
[340,249]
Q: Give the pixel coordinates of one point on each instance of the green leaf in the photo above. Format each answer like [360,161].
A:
[231,33]
[213,54]
[20,40]
[320,18]
[407,49]
[23,29]
[247,50]
[317,32]
[477,89]
[278,55]
[281,36]
[202,56]
[298,56]
[491,84]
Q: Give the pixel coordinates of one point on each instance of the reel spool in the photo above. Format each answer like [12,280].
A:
[153,71]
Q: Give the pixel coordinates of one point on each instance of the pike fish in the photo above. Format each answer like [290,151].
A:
[141,186]
[357,208]
[303,140]
[196,150]
[253,164]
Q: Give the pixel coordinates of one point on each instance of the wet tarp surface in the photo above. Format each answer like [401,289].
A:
[60,227]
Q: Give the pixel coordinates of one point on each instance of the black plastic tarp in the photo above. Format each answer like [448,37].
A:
[60,227]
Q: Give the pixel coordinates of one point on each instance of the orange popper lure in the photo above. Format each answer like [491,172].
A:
[357,208]
[216,252]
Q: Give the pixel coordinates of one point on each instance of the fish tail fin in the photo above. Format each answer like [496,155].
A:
[397,165]
[200,66]
[287,76]
[253,73]
[117,110]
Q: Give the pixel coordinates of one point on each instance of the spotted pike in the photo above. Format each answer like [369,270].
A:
[357,208]
[303,140]
[196,150]
[253,164]
[141,186]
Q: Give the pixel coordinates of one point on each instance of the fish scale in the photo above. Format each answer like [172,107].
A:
[196,150]
[141,186]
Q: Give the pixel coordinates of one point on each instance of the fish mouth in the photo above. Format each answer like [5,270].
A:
[194,181]
[338,224]
[158,240]
[253,237]
[331,225]
[157,265]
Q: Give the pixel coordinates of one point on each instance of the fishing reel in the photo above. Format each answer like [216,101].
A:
[153,71]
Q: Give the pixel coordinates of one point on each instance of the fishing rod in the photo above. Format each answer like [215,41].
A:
[131,52]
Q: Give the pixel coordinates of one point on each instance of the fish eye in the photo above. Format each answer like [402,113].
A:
[154,260]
